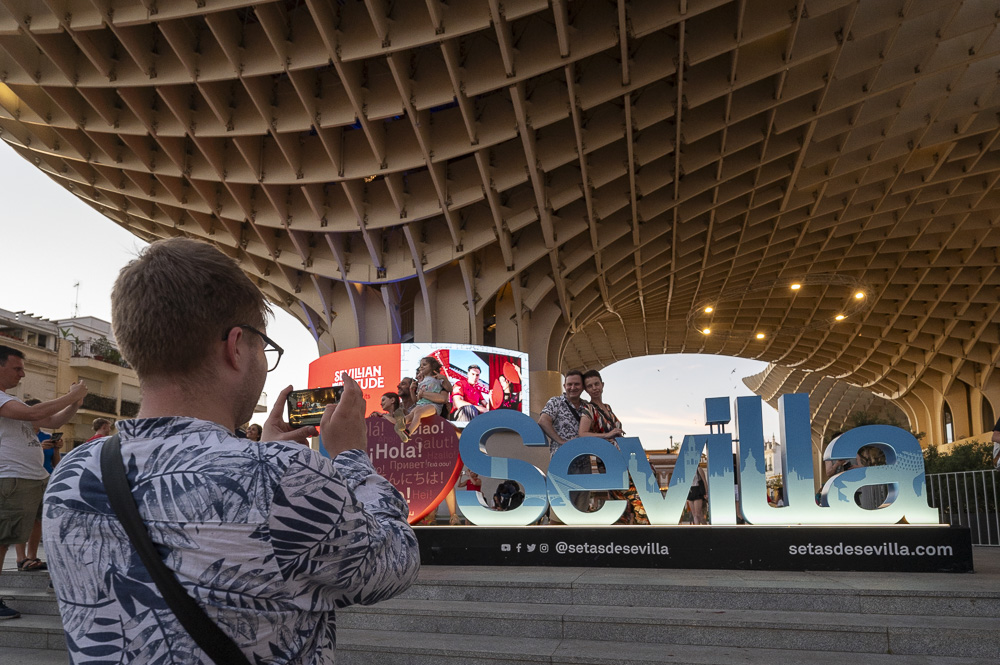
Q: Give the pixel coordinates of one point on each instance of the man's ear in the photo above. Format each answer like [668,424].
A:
[234,353]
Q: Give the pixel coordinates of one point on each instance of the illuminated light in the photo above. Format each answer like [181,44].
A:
[706,331]
[760,335]
[370,178]
[708,310]
[840,317]
[859,295]
[796,287]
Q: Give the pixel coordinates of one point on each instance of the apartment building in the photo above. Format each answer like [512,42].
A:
[59,353]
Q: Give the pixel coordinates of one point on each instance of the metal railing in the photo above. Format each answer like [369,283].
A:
[98,349]
[101,403]
[968,498]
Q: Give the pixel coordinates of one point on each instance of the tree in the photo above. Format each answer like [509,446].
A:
[968,456]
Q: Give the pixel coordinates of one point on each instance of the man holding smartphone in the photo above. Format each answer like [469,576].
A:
[22,473]
[269,537]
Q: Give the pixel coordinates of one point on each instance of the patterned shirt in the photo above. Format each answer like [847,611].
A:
[603,420]
[269,538]
[565,419]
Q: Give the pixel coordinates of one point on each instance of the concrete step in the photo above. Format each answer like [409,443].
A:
[32,632]
[833,631]
[584,615]
[362,647]
[703,589]
[14,579]
[31,601]
[11,656]
[435,632]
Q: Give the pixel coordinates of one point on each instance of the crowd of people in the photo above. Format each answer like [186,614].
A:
[563,418]
[430,392]
[218,500]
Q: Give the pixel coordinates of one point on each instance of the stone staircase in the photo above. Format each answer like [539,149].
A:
[37,637]
[457,615]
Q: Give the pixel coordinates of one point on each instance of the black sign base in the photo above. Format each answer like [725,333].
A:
[898,548]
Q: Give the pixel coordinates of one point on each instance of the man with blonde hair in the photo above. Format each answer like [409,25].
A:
[102,428]
[268,538]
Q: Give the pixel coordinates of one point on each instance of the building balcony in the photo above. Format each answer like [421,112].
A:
[100,350]
[100,403]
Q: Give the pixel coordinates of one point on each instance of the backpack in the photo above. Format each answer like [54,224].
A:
[508,496]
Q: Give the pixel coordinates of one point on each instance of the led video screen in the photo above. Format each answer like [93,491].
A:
[498,378]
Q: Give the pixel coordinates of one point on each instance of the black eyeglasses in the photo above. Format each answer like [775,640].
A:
[272,352]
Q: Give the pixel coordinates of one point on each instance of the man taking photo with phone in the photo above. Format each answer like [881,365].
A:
[22,471]
[268,538]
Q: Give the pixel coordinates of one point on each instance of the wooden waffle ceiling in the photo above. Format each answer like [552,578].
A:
[628,162]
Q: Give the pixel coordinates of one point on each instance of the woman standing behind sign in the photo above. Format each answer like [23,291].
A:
[597,419]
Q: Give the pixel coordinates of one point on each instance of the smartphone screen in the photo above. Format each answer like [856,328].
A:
[305,407]
[56,436]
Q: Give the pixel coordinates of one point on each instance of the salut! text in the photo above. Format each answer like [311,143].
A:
[903,473]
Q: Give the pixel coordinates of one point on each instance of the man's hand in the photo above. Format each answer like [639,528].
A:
[276,429]
[78,391]
[343,425]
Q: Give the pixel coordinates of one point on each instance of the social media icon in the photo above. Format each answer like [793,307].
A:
[531,548]
[519,547]
[505,547]
[543,548]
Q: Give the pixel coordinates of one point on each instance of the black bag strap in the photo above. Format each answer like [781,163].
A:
[576,414]
[209,637]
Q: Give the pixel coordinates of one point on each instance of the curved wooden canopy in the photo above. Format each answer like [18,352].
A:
[594,173]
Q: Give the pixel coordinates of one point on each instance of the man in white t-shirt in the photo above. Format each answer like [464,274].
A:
[22,471]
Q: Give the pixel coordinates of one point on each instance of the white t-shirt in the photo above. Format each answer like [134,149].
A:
[21,454]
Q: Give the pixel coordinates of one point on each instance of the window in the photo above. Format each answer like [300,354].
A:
[949,426]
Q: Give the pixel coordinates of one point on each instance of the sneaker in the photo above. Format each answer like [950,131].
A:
[8,613]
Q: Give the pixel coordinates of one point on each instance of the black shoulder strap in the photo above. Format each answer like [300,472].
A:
[576,414]
[216,644]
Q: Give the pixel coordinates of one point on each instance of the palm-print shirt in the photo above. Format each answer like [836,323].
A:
[269,538]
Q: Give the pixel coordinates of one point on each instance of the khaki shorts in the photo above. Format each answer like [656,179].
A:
[20,506]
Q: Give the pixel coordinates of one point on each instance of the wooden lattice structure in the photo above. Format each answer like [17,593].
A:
[578,178]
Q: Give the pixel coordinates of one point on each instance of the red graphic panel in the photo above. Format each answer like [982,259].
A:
[424,469]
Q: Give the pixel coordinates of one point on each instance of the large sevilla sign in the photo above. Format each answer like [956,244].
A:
[424,469]
[903,473]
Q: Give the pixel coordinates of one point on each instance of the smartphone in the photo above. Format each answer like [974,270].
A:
[305,407]
[56,436]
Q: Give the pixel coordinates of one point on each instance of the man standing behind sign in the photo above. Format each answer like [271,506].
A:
[560,420]
[270,537]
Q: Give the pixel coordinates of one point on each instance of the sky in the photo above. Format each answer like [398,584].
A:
[52,241]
